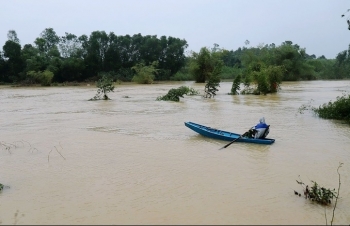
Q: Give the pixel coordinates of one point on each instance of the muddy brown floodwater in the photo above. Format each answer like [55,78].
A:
[132,160]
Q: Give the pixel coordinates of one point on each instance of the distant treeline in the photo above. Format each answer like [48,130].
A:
[77,59]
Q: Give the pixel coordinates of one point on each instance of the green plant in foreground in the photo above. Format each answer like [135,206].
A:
[104,85]
[320,194]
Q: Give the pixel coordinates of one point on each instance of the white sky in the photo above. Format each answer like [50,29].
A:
[312,24]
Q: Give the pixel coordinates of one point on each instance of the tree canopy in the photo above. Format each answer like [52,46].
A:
[82,58]
[73,58]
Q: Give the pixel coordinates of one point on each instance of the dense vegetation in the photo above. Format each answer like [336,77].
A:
[206,66]
[72,58]
[339,109]
[68,58]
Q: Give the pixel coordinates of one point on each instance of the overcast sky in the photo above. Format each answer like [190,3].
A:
[316,25]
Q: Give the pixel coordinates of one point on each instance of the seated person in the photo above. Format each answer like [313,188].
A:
[260,131]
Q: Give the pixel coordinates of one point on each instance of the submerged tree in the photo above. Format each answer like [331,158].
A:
[104,85]
[236,85]
[213,82]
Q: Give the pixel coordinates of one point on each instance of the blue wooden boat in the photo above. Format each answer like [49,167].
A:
[224,135]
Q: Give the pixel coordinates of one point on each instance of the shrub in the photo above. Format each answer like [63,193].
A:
[42,77]
[145,74]
[180,76]
[175,94]
[104,85]
[339,109]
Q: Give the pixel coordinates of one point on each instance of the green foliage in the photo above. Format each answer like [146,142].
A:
[342,65]
[145,74]
[293,59]
[230,72]
[14,63]
[339,109]
[210,88]
[274,77]
[320,194]
[317,193]
[47,41]
[124,74]
[201,65]
[323,68]
[267,79]
[175,94]
[104,85]
[213,82]
[236,85]
[73,58]
[1,187]
[260,78]
[42,77]
[207,66]
[181,76]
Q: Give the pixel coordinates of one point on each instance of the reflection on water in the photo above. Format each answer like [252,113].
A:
[132,160]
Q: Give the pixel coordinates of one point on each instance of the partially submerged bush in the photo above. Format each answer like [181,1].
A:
[320,194]
[339,109]
[104,85]
[175,94]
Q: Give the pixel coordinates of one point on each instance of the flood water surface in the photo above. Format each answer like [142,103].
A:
[131,160]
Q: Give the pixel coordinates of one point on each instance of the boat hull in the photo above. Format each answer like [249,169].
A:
[224,135]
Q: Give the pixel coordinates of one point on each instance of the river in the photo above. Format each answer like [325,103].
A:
[131,160]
